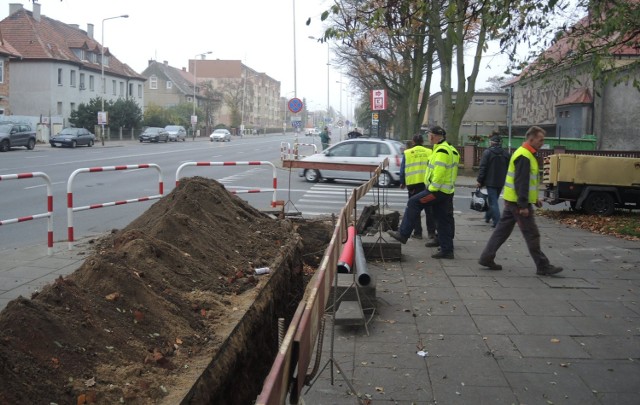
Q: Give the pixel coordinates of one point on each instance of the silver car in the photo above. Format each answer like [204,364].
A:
[176,133]
[220,135]
[369,151]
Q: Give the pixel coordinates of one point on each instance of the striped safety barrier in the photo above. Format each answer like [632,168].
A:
[48,214]
[250,191]
[71,209]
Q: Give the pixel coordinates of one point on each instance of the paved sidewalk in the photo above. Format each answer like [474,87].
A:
[496,337]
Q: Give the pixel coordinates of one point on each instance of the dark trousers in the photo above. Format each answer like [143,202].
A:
[428,211]
[493,213]
[529,229]
[442,205]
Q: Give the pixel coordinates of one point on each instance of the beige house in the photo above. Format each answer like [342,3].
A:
[167,86]
[487,112]
[250,99]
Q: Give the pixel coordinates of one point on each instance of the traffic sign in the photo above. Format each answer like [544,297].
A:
[340,123]
[295,105]
[296,124]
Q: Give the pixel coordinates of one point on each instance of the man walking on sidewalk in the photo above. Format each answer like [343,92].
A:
[440,179]
[412,171]
[520,194]
[492,172]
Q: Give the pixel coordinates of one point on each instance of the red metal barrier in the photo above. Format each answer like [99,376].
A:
[48,214]
[253,163]
[71,209]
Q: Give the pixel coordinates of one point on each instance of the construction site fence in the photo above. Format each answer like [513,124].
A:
[289,371]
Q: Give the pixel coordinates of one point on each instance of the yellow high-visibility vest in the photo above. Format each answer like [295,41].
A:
[416,161]
[509,185]
[442,170]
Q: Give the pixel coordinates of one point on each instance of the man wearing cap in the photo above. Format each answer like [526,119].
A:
[415,161]
[440,179]
[520,195]
[324,138]
[492,173]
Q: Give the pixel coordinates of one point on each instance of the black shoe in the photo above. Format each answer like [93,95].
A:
[396,235]
[441,255]
[433,243]
[490,264]
[549,270]
[416,236]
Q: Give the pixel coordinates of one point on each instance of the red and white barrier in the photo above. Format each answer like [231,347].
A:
[71,209]
[287,153]
[296,149]
[253,163]
[48,214]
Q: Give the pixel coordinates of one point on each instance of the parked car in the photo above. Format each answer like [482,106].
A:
[220,135]
[370,151]
[176,133]
[73,137]
[154,134]
[311,132]
[16,134]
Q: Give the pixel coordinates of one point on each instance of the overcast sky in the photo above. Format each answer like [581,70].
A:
[257,32]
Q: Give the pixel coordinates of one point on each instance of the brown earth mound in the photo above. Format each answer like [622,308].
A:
[150,306]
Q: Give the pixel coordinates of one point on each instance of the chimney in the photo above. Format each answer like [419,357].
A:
[150,62]
[184,69]
[166,63]
[76,26]
[90,30]
[36,11]
[14,7]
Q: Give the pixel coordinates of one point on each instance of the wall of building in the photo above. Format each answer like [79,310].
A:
[4,87]
[617,108]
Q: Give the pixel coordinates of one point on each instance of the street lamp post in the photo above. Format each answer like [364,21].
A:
[340,115]
[244,92]
[194,117]
[328,81]
[104,86]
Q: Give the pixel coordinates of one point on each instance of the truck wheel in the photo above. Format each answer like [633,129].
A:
[599,203]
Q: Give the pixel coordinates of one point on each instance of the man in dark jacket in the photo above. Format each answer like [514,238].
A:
[492,173]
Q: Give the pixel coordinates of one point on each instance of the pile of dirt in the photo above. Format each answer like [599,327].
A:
[149,304]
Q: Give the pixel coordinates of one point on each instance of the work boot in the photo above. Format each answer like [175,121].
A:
[416,236]
[432,243]
[396,235]
[549,270]
[442,255]
[490,264]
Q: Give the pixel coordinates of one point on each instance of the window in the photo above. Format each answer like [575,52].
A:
[478,101]
[121,89]
[82,85]
[113,87]
[91,83]
[59,76]
[153,82]
[139,91]
[169,85]
[491,101]
[1,72]
[72,78]
[502,102]
[366,149]
[466,123]
[343,150]
[59,108]
[130,90]
[73,106]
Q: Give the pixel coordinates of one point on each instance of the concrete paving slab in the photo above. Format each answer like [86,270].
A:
[537,388]
[466,371]
[493,307]
[446,325]
[401,384]
[464,395]
[557,346]
[611,347]
[494,324]
[543,325]
[597,325]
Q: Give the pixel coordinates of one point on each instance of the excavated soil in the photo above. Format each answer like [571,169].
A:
[152,308]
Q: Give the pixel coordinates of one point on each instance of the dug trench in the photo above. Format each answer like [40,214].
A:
[167,310]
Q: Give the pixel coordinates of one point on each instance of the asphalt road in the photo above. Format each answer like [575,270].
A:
[25,197]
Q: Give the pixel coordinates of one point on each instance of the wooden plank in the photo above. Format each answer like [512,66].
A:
[299,164]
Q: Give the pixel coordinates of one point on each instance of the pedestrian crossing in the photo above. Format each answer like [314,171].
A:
[325,199]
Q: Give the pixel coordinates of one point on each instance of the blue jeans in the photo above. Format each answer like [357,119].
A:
[442,205]
[493,213]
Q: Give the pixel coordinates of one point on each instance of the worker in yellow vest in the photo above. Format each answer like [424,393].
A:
[440,178]
[520,196]
[412,170]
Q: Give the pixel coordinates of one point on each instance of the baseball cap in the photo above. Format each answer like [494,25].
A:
[496,139]
[438,130]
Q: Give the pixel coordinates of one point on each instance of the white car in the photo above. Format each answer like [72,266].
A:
[220,135]
[311,132]
[369,151]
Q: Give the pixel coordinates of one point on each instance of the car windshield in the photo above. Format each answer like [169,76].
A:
[220,131]
[152,130]
[69,131]
[5,128]
[172,128]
